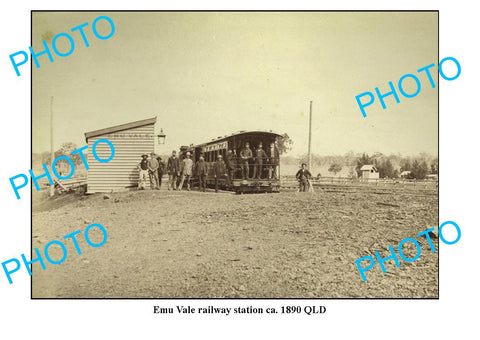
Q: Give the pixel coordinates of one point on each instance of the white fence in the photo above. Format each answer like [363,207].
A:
[290,181]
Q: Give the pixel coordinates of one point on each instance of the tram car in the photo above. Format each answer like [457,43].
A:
[253,165]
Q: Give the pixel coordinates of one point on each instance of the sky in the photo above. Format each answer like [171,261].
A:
[209,74]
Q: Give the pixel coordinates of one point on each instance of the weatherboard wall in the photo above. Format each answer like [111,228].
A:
[121,172]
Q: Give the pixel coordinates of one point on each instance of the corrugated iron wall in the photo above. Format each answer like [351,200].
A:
[121,172]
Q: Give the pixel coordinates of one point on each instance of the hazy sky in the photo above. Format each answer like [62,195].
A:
[210,74]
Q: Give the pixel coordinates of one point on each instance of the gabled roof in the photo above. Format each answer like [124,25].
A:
[368,167]
[122,127]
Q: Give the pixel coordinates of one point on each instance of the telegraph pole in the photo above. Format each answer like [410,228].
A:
[310,139]
[52,153]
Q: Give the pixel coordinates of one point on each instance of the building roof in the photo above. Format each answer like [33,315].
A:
[238,133]
[243,132]
[368,167]
[121,127]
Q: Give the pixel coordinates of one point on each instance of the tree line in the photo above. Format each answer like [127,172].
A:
[392,166]
[388,166]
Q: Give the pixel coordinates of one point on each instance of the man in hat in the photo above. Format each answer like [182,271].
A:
[303,176]
[219,170]
[274,158]
[143,172]
[173,169]
[201,169]
[246,155]
[161,169]
[187,168]
[230,162]
[260,155]
[153,171]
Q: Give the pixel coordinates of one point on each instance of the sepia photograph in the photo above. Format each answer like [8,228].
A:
[235,154]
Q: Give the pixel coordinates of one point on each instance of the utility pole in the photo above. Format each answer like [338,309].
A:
[52,153]
[310,139]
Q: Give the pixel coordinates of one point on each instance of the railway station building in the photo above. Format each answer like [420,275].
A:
[130,140]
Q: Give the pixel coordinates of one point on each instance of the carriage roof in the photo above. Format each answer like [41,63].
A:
[237,134]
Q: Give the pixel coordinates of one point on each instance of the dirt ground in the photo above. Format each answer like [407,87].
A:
[170,244]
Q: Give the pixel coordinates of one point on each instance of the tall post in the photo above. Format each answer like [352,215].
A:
[52,153]
[310,139]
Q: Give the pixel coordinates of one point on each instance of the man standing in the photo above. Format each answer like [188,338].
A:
[187,168]
[260,155]
[219,170]
[153,172]
[230,162]
[303,176]
[143,168]
[161,169]
[274,158]
[246,155]
[201,169]
[173,169]
[181,157]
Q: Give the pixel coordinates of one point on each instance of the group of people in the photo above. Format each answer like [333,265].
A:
[175,169]
[184,170]
[152,169]
[181,170]
[259,156]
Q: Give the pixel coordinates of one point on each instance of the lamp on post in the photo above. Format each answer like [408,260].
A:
[161,137]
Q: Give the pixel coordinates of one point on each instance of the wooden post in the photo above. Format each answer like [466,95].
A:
[310,139]
[52,152]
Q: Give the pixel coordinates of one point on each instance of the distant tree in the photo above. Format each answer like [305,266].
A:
[385,169]
[423,170]
[419,169]
[68,147]
[405,165]
[395,174]
[352,173]
[284,144]
[414,168]
[335,168]
[350,158]
[363,160]
[65,150]
[434,166]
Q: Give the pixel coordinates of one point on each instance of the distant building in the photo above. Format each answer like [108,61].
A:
[130,141]
[369,172]
[405,174]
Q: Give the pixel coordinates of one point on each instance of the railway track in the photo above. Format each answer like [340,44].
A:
[358,188]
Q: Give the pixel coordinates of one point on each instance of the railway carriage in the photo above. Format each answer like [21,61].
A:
[267,175]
